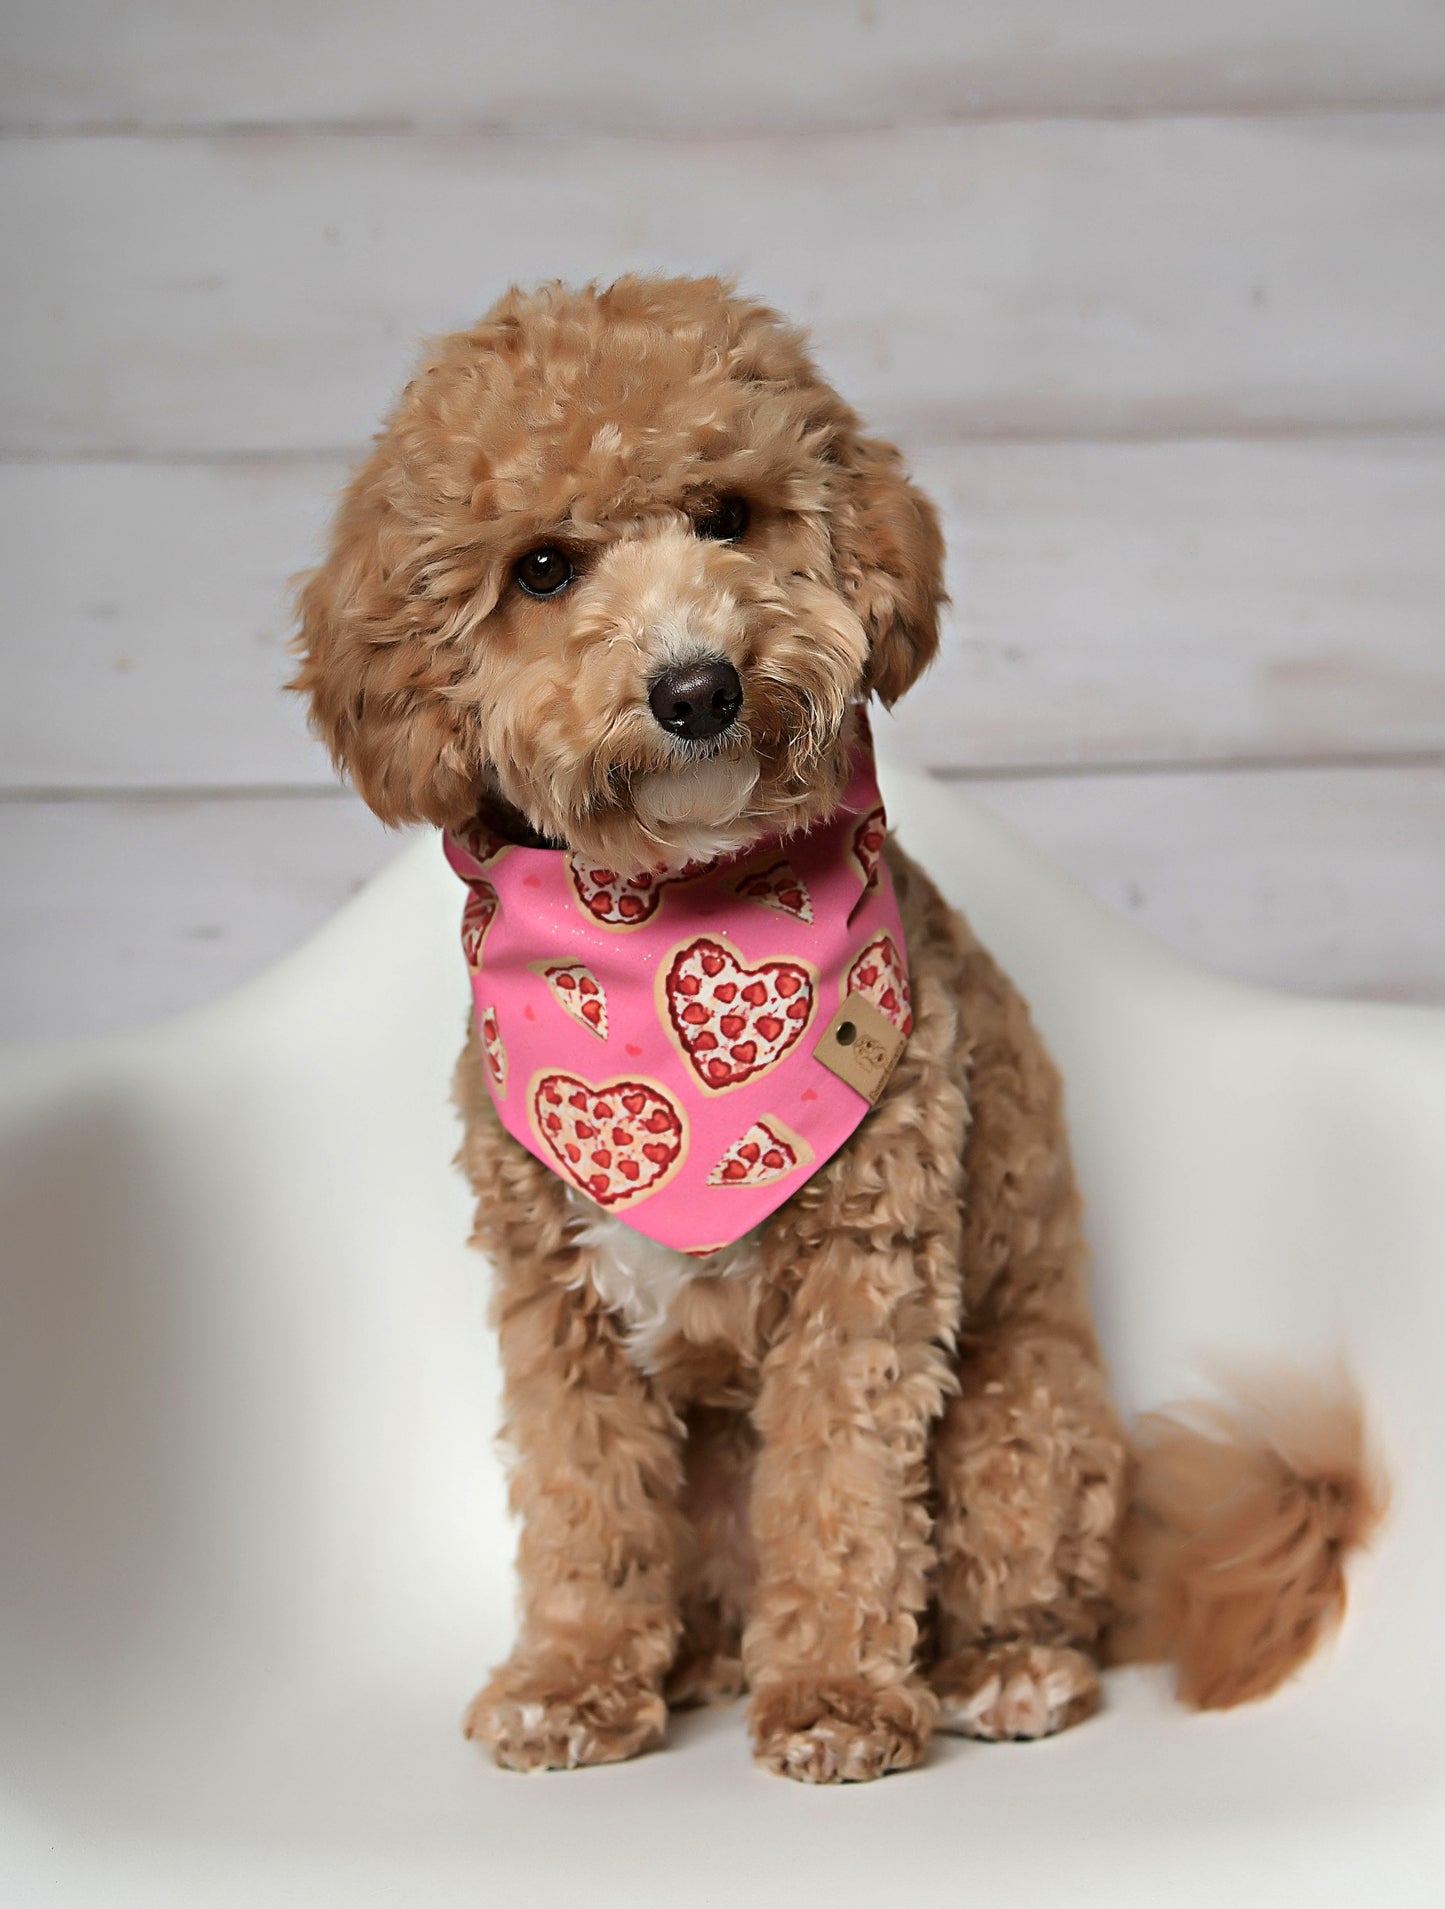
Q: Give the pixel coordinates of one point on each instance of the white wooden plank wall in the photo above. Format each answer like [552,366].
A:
[1150,291]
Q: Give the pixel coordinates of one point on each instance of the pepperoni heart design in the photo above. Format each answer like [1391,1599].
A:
[578,992]
[731,1021]
[618,1142]
[866,847]
[777,886]
[477,918]
[880,976]
[768,1151]
[625,901]
[493,1049]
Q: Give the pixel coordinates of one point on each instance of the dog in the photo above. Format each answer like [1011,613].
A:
[611,593]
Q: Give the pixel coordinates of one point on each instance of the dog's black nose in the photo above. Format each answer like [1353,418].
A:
[697,700]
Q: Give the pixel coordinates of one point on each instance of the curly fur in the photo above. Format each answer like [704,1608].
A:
[1245,1511]
[865,1465]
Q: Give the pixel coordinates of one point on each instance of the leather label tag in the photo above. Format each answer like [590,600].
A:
[861,1046]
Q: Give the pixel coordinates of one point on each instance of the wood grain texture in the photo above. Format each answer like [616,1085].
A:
[117,913]
[1044,279]
[631,65]
[1187,602]
[1113,603]
[147,612]
[1164,342]
[1329,880]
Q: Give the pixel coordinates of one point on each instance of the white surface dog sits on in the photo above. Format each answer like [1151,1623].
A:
[255,1529]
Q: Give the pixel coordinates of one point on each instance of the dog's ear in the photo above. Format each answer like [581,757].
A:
[888,552]
[378,658]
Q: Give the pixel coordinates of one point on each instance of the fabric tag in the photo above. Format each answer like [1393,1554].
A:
[861,1047]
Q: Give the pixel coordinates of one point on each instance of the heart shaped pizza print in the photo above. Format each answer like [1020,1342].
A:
[578,992]
[625,901]
[880,976]
[777,886]
[617,1142]
[477,918]
[867,845]
[768,1151]
[734,1022]
[494,1049]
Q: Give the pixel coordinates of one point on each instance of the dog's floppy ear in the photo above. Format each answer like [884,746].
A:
[888,551]
[377,664]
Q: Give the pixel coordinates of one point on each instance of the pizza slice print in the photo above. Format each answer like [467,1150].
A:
[734,1022]
[866,847]
[880,976]
[493,1049]
[480,842]
[477,917]
[768,1151]
[777,886]
[618,1141]
[578,992]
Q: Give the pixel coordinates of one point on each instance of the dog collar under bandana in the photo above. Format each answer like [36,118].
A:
[686,1049]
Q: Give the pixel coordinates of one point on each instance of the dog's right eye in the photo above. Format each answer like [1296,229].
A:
[542,573]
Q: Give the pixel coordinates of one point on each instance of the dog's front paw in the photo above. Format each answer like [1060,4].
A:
[1015,1692]
[840,1730]
[559,1717]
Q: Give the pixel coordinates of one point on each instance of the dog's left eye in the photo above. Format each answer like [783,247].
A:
[542,573]
[725,522]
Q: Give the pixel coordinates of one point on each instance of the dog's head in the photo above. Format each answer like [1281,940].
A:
[623,563]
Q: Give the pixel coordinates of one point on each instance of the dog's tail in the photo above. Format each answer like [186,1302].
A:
[1232,1559]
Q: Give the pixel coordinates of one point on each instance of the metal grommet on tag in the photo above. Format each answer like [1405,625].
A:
[861,1046]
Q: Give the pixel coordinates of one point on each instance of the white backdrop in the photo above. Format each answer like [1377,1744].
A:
[1149,292]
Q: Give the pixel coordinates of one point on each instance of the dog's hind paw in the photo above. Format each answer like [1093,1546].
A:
[535,1717]
[1014,1692]
[842,1731]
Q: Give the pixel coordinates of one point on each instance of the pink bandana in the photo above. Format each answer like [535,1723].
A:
[655,1039]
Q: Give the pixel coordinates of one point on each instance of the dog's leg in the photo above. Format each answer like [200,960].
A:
[1029,1458]
[717,1569]
[596,1481]
[1029,1464]
[850,1392]
[839,1520]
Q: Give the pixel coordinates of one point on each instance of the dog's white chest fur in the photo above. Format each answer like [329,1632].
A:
[640,1280]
